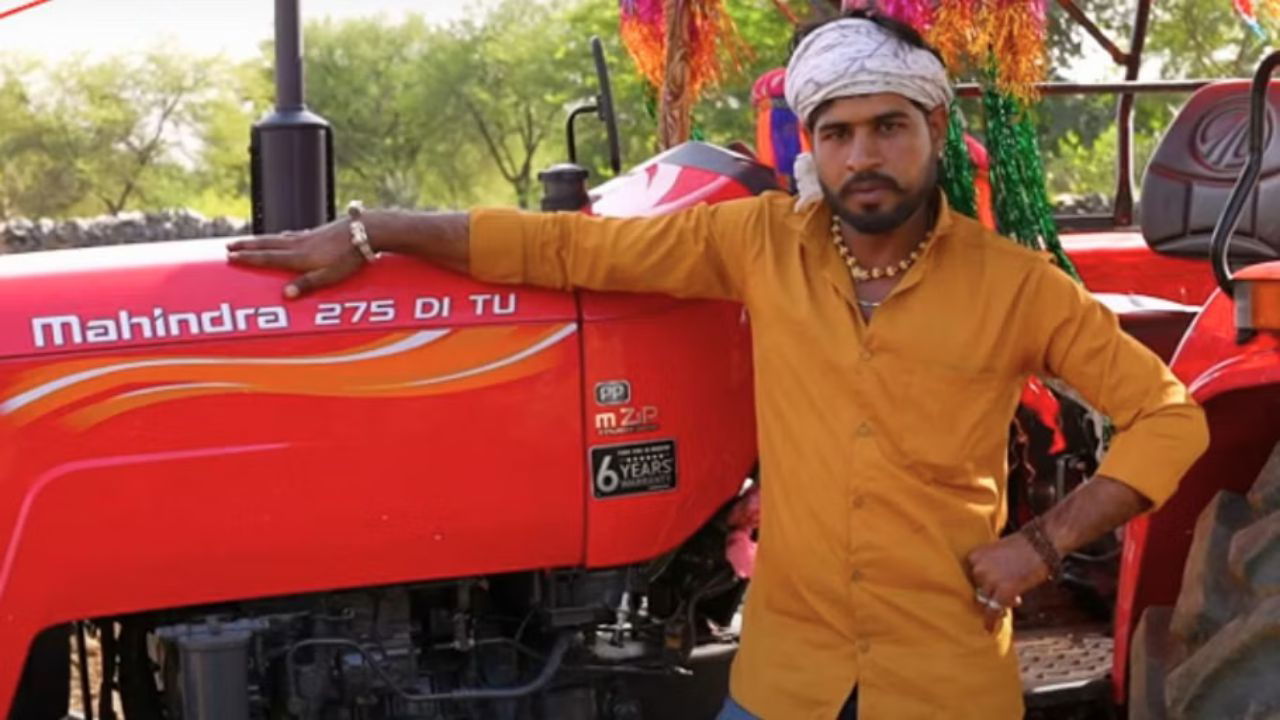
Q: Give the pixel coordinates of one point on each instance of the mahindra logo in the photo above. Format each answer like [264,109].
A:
[62,330]
[13,7]
[1222,137]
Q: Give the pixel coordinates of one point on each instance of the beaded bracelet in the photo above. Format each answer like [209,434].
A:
[1035,534]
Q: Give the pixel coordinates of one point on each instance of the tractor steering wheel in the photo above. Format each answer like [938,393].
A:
[604,106]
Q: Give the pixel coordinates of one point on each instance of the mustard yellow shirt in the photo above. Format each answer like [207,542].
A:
[882,443]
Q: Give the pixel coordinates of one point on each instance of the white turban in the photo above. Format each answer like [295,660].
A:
[851,57]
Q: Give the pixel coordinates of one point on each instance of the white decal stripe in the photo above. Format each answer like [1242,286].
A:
[412,342]
[179,386]
[534,349]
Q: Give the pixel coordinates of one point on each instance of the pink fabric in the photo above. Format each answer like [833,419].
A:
[977,153]
[769,86]
[740,547]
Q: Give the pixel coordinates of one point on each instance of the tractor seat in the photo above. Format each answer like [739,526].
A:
[1195,168]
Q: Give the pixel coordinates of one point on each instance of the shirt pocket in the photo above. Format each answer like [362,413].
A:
[951,425]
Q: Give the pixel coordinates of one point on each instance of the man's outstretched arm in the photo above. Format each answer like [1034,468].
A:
[699,252]
[325,256]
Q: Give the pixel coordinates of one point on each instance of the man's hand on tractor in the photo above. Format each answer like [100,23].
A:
[1002,571]
[322,257]
[331,253]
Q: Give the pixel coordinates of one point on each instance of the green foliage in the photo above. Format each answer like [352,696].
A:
[31,181]
[105,136]
[1202,39]
[468,113]
[374,82]
[1186,39]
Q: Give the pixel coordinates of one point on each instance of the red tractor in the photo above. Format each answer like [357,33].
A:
[418,496]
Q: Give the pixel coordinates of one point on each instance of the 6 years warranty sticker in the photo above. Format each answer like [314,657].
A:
[636,468]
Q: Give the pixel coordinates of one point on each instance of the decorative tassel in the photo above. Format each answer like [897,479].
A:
[959,31]
[957,167]
[713,41]
[1246,11]
[916,13]
[1022,204]
[1018,43]
[970,33]
[644,33]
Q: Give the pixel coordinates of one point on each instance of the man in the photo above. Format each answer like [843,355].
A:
[892,339]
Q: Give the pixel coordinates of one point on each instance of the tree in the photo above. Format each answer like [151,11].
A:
[84,137]
[511,83]
[31,182]
[374,82]
[1202,39]
[220,180]
[1186,39]
[121,123]
[102,136]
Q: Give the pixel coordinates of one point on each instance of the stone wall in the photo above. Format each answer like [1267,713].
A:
[1089,204]
[23,235]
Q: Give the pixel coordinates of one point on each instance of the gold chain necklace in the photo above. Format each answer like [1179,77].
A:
[860,273]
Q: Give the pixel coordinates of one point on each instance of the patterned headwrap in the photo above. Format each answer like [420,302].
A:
[855,56]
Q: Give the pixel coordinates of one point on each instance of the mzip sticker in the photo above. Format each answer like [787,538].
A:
[631,469]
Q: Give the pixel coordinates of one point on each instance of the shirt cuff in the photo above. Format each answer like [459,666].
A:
[1128,464]
[497,245]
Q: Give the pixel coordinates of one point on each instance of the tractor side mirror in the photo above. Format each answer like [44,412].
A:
[602,106]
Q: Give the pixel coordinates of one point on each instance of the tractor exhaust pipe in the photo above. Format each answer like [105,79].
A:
[291,149]
[288,56]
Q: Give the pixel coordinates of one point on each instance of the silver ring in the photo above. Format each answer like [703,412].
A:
[988,602]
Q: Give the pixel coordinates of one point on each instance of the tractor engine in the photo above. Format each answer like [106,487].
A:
[1056,443]
[507,647]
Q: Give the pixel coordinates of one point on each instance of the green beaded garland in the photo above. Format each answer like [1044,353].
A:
[957,167]
[1022,207]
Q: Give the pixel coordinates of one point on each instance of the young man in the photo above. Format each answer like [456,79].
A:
[892,339]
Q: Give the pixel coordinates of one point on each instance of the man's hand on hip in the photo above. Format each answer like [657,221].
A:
[1001,572]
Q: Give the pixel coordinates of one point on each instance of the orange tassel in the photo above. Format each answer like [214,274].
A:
[715,45]
[1018,47]
[958,32]
[1007,33]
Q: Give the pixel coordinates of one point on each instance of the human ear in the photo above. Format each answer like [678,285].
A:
[938,119]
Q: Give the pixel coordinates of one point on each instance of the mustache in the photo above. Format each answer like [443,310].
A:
[869,177]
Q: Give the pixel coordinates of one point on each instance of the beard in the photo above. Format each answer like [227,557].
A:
[881,221]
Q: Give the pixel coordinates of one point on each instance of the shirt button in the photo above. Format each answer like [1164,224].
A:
[864,430]
[858,502]
[856,575]
[864,645]
[865,356]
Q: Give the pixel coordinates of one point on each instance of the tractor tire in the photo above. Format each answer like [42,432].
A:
[1220,656]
